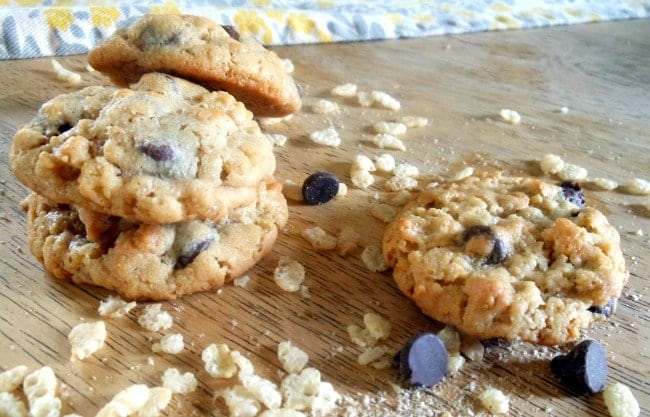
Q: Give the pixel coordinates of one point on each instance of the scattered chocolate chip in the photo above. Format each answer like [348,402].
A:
[584,369]
[231,31]
[320,188]
[422,361]
[572,192]
[607,310]
[158,151]
[498,253]
[191,252]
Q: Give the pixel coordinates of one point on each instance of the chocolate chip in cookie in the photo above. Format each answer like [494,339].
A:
[481,240]
[572,192]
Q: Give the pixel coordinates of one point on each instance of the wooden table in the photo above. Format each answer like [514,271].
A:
[601,72]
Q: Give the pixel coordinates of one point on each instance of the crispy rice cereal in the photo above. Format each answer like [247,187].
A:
[327,137]
[154,319]
[87,338]
[289,274]
[319,238]
[114,307]
[171,343]
[179,383]
[385,141]
[292,358]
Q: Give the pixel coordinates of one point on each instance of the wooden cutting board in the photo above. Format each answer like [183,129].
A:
[600,72]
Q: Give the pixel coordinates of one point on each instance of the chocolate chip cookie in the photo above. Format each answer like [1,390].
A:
[197,49]
[165,150]
[153,261]
[508,257]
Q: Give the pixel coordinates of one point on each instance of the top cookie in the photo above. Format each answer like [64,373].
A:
[197,49]
[506,257]
[164,151]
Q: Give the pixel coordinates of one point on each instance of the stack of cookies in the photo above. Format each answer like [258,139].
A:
[164,187]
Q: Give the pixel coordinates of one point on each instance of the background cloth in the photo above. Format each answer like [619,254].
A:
[32,28]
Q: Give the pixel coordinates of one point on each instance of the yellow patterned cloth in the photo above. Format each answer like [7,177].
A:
[33,28]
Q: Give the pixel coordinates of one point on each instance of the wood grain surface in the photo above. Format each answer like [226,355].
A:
[601,72]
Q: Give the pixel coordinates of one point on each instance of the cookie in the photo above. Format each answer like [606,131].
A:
[153,261]
[165,150]
[506,257]
[197,49]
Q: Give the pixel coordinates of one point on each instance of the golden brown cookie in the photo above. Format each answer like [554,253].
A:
[506,257]
[165,150]
[153,261]
[197,49]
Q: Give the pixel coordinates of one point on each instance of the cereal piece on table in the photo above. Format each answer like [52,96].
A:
[510,116]
[292,190]
[241,281]
[319,188]
[288,65]
[243,363]
[450,337]
[114,307]
[401,183]
[361,336]
[218,361]
[454,364]
[292,358]
[385,162]
[564,110]
[319,238]
[87,338]
[179,383]
[328,137]
[262,389]
[620,401]
[344,90]
[126,402]
[390,128]
[551,164]
[276,139]
[289,274]
[383,212]
[474,350]
[385,100]
[572,172]
[154,319]
[348,241]
[240,402]
[400,198]
[361,179]
[423,360]
[39,384]
[11,405]
[378,327]
[12,378]
[372,354]
[406,170]
[343,190]
[157,401]
[65,74]
[413,121]
[495,401]
[638,186]
[365,99]
[462,174]
[373,259]
[385,141]
[605,183]
[362,162]
[324,106]
[171,343]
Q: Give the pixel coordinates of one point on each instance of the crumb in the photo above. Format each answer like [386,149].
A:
[401,183]
[289,274]
[270,121]
[361,178]
[413,121]
[304,291]
[264,390]
[65,74]
[385,162]
[390,128]
[620,400]
[361,336]
[454,364]
[327,137]
[372,354]
[365,99]
[385,100]
[292,359]
[344,90]
[510,116]
[276,139]
[451,339]
[348,241]
[240,402]
[343,190]
[400,198]
[11,405]
[218,361]
[39,388]
[126,402]
[551,164]
[638,186]
[171,343]
[154,319]
[241,281]
[363,163]
[495,401]
[12,378]
[319,238]
[604,183]
[378,327]
[462,174]
[288,65]
[179,383]
[373,258]
[572,172]
[564,109]
[157,401]
[385,141]
[114,307]
[323,106]
[292,191]
[86,339]
[406,170]
[383,212]
[473,351]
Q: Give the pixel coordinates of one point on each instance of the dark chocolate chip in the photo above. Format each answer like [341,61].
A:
[607,310]
[584,369]
[152,37]
[64,128]
[191,252]
[320,188]
[158,151]
[572,192]
[476,230]
[231,31]
[498,253]
[422,361]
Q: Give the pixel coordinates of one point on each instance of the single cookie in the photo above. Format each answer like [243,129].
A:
[506,257]
[164,151]
[153,261]
[197,49]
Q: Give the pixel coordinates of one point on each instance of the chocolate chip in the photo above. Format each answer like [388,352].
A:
[572,192]
[320,188]
[498,254]
[231,31]
[64,128]
[476,230]
[584,369]
[607,310]
[191,252]
[422,361]
[152,37]
[158,151]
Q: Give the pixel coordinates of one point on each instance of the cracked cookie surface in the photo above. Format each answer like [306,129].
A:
[153,261]
[200,50]
[508,257]
[164,150]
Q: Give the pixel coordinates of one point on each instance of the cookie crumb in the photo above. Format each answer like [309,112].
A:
[344,90]
[154,319]
[86,339]
[620,400]
[328,137]
[385,141]
[510,116]
[319,238]
[276,139]
[179,383]
[495,401]
[114,307]
[324,106]
[289,274]
[638,186]
[65,74]
[373,258]
[171,343]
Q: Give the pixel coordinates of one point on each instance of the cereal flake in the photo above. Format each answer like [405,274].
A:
[324,106]
[179,383]
[385,141]
[319,238]
[154,319]
[86,339]
[114,307]
[171,343]
[327,137]
[292,359]
[289,274]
